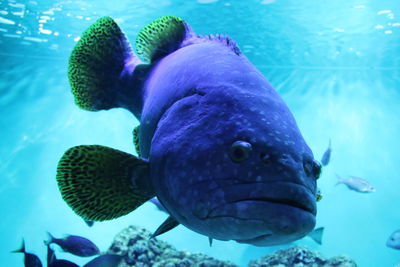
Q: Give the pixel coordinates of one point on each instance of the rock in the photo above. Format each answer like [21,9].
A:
[140,251]
[298,256]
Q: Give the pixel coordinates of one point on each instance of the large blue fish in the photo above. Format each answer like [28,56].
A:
[219,147]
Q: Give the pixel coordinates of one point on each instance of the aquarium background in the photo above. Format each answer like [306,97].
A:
[335,63]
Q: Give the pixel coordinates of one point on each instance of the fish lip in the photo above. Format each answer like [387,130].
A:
[285,201]
[302,199]
[254,239]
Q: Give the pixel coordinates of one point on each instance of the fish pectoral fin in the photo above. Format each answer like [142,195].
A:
[136,141]
[100,183]
[160,38]
[210,241]
[169,224]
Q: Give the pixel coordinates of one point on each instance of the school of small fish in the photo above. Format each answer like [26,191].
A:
[73,244]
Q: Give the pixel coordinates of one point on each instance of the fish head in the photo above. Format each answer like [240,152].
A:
[371,189]
[234,166]
[394,240]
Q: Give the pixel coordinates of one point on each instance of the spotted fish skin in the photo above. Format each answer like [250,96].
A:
[201,99]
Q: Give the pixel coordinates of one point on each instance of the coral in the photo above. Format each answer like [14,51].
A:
[140,251]
[298,256]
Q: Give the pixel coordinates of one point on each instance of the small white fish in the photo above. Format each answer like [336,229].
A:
[357,184]
[327,155]
[394,240]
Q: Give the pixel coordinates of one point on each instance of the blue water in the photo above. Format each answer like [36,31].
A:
[335,63]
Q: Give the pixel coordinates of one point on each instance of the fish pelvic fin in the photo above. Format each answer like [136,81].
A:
[169,224]
[160,38]
[317,234]
[103,71]
[100,183]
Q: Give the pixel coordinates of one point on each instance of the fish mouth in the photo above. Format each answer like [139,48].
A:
[294,203]
[283,194]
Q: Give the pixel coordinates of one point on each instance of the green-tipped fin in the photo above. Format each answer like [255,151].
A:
[101,183]
[169,224]
[159,38]
[135,133]
[96,63]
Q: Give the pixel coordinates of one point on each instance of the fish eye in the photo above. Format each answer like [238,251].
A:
[312,168]
[316,169]
[240,151]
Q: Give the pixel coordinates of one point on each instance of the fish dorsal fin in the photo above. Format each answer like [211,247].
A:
[100,183]
[160,38]
[169,224]
[223,40]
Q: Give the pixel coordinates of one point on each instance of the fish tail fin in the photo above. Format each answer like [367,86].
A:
[50,239]
[317,234]
[101,183]
[20,250]
[103,71]
[339,179]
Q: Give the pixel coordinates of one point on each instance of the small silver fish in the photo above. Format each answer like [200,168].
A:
[394,240]
[357,184]
[327,155]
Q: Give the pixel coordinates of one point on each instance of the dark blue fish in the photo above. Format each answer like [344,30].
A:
[63,263]
[76,245]
[30,260]
[107,260]
[219,148]
[327,155]
[51,256]
[52,260]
